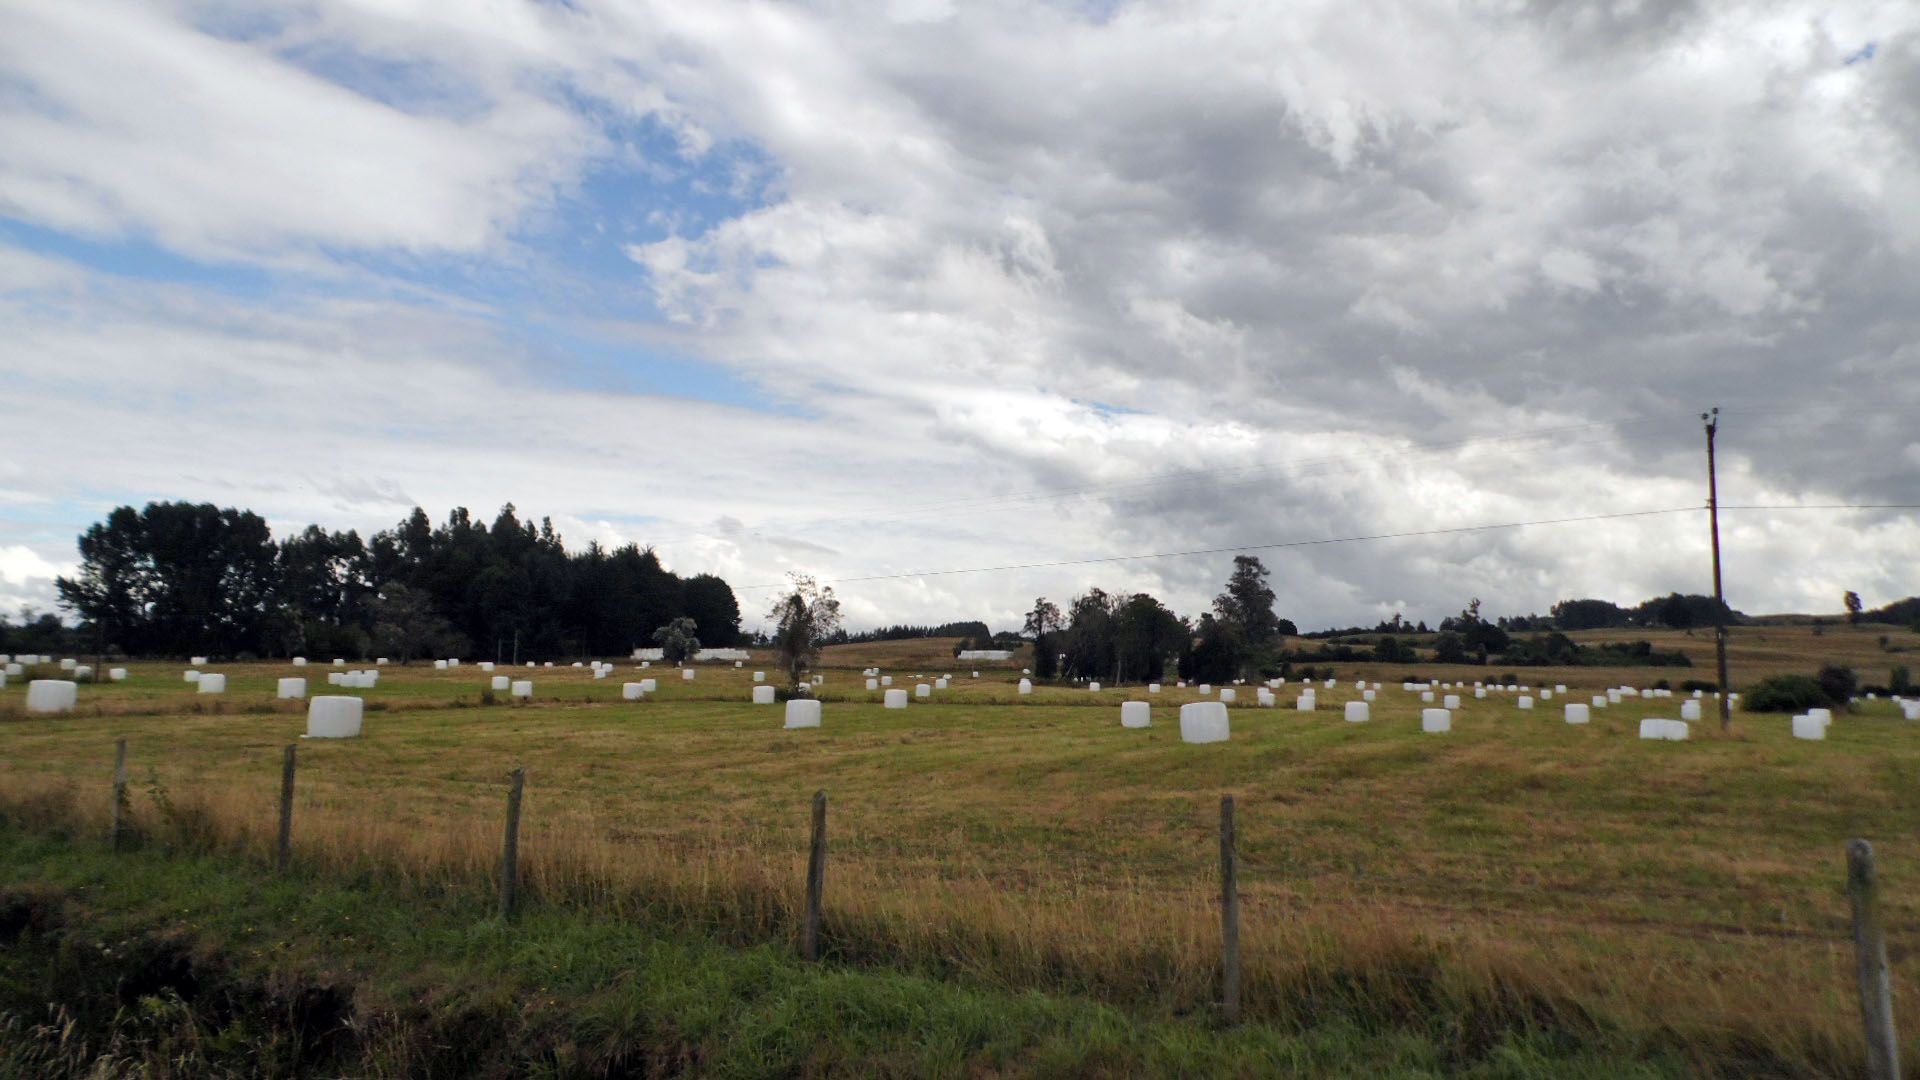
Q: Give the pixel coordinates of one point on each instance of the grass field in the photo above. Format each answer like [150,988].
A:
[1516,877]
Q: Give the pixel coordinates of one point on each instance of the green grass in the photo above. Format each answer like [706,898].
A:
[182,964]
[1518,880]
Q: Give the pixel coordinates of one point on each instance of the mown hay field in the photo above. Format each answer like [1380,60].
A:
[1517,873]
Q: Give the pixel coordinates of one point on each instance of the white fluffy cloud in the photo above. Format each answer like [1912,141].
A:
[1013,282]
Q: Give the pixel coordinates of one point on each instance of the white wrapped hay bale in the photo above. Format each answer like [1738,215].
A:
[896,699]
[1094,687]
[1153,688]
[1026,686]
[686,674]
[1689,710]
[1809,727]
[1264,697]
[82,672]
[1426,696]
[1206,688]
[1435,721]
[1368,695]
[649,686]
[763,695]
[338,661]
[1910,709]
[118,674]
[16,670]
[1824,716]
[299,661]
[873,684]
[52,695]
[599,673]
[942,682]
[336,678]
[576,663]
[803,713]
[198,661]
[1304,703]
[1358,712]
[212,683]
[1546,695]
[500,682]
[453,662]
[1450,702]
[291,689]
[1576,713]
[334,717]
[1480,692]
[380,662]
[191,676]
[1228,695]
[486,667]
[632,691]
[1559,688]
[69,664]
[922,690]
[1203,722]
[1136,714]
[1599,701]
[739,663]
[1654,727]
[1524,702]
[759,676]
[522,688]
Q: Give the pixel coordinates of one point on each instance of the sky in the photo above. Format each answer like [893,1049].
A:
[865,290]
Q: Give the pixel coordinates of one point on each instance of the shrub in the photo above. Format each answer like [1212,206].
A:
[1900,680]
[1785,693]
[1838,683]
[1699,684]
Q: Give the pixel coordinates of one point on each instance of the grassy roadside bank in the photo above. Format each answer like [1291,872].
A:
[162,963]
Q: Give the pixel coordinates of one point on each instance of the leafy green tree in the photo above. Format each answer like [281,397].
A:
[1145,634]
[678,640]
[802,620]
[710,603]
[1043,619]
[1246,607]
[406,625]
[1853,605]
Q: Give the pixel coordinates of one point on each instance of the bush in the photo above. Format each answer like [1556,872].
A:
[1900,680]
[1839,683]
[1785,693]
[1701,685]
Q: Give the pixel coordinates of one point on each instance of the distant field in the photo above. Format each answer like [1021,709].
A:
[1753,653]
[1515,868]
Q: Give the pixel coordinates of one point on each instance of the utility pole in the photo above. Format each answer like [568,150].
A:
[1712,422]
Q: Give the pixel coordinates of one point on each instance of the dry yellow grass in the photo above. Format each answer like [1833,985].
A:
[1517,871]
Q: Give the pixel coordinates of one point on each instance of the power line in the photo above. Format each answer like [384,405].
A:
[1302,466]
[1278,545]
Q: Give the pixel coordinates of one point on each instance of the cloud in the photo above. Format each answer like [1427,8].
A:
[1003,283]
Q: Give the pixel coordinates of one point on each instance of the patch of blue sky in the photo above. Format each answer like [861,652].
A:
[137,257]
[1108,410]
[609,365]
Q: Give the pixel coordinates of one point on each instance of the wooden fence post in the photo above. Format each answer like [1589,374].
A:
[283,854]
[510,846]
[816,879]
[1870,964]
[1229,914]
[119,793]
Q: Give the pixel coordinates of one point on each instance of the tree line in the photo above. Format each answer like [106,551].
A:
[177,578]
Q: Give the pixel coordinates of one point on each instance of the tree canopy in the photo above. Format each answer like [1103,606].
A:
[184,577]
